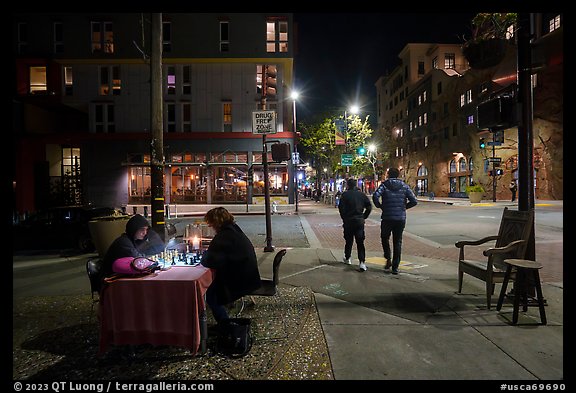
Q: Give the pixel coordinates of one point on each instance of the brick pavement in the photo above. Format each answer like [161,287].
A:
[328,230]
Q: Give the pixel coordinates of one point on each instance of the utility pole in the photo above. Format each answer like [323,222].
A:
[156,128]
[268,247]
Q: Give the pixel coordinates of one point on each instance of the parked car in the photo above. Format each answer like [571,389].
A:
[59,228]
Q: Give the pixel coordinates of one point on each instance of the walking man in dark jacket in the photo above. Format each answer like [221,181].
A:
[354,208]
[393,197]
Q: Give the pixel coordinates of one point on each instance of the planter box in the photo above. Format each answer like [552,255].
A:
[475,197]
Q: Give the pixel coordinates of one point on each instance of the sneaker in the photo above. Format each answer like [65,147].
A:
[394,271]
[388,265]
[347,261]
[362,267]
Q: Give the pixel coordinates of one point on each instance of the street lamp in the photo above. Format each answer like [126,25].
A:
[295,157]
[372,158]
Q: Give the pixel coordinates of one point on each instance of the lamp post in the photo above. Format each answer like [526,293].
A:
[373,157]
[294,95]
[354,109]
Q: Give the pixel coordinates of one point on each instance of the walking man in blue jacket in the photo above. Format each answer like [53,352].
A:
[354,208]
[393,197]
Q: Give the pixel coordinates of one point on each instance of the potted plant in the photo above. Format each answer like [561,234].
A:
[490,36]
[475,193]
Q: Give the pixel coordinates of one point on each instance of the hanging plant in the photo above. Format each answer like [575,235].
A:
[490,36]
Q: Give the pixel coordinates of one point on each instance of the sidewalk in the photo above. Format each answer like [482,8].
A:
[415,326]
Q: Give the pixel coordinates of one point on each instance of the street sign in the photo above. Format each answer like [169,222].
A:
[346,159]
[264,122]
[494,143]
[495,159]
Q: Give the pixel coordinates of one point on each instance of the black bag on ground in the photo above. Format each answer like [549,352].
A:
[234,337]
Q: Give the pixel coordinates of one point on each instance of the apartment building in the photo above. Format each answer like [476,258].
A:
[82,107]
[428,118]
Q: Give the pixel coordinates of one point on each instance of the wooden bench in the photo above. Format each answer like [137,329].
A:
[511,242]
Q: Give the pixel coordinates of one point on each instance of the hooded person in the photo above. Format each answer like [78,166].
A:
[138,240]
[394,197]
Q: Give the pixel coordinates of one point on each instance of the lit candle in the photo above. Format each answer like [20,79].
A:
[195,243]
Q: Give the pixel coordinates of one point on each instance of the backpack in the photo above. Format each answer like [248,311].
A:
[234,337]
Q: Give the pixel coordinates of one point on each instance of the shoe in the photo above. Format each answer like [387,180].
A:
[388,265]
[362,267]
[394,271]
[347,261]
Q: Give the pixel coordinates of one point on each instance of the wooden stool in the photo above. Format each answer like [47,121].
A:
[524,270]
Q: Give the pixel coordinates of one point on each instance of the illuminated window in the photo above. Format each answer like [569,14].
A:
[38,80]
[449,60]
[554,23]
[68,81]
[227,116]
[110,77]
[102,37]
[171,80]
[277,36]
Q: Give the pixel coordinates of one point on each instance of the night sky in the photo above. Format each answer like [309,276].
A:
[340,56]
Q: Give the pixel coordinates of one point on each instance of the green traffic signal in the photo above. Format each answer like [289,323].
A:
[361,150]
[482,143]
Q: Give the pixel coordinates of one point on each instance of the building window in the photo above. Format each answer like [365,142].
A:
[439,88]
[166,36]
[266,79]
[102,37]
[470,119]
[227,116]
[554,23]
[277,36]
[38,80]
[462,165]
[171,80]
[450,60]
[106,81]
[104,117]
[420,68]
[187,80]
[462,100]
[435,63]
[186,117]
[468,96]
[170,117]
[224,36]
[68,81]
[58,37]
[22,37]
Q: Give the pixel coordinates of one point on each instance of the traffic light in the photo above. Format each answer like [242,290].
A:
[482,143]
[361,150]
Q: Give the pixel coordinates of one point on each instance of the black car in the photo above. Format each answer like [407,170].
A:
[58,228]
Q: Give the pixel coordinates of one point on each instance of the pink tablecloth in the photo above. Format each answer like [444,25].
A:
[162,309]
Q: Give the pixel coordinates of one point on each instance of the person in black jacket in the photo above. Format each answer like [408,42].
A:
[393,197]
[137,241]
[232,256]
[354,208]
